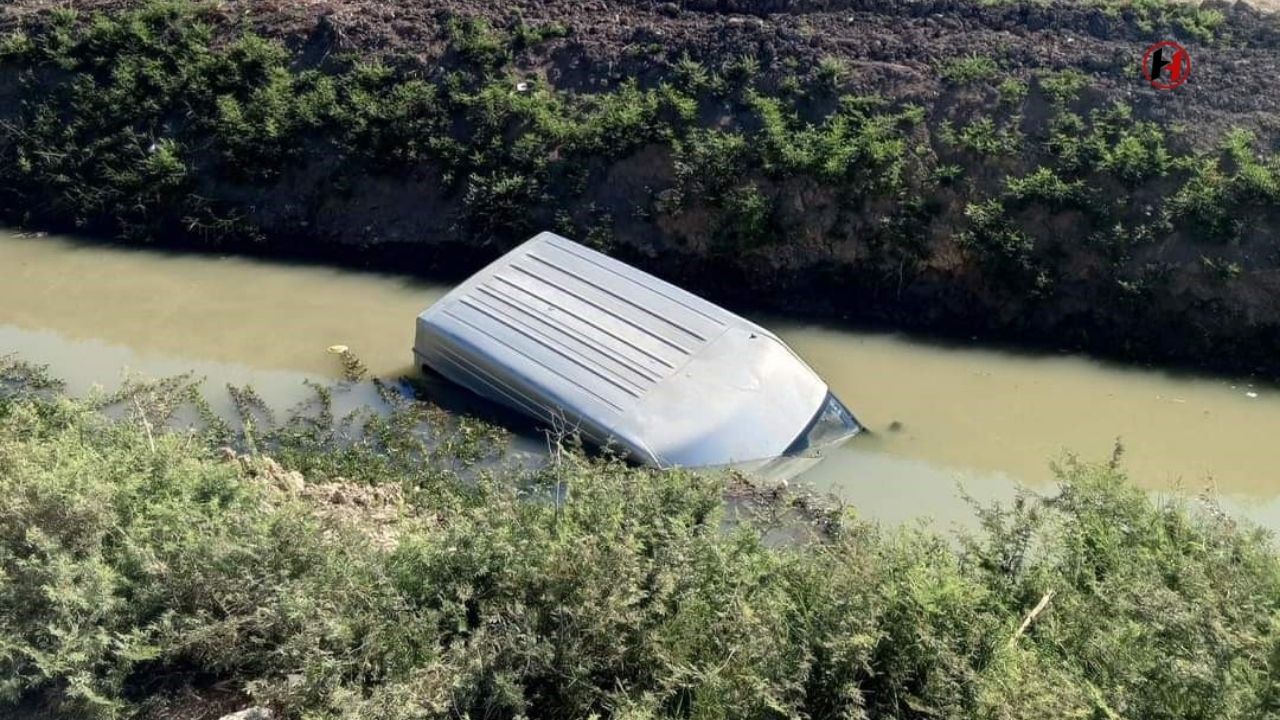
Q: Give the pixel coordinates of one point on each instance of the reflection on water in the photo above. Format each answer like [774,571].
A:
[984,418]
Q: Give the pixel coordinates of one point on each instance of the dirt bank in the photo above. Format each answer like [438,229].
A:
[893,48]
[957,167]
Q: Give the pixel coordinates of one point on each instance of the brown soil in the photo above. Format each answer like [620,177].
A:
[893,46]
[376,512]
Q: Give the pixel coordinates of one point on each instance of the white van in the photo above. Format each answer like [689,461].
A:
[572,337]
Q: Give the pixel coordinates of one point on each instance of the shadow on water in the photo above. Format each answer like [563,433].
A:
[411,264]
[1033,353]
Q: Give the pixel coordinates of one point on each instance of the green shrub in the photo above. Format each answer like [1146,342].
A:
[742,70]
[692,76]
[1203,198]
[983,136]
[859,143]
[1110,141]
[1222,269]
[1255,180]
[1137,154]
[1002,249]
[15,46]
[497,205]
[628,117]
[527,36]
[385,120]
[1219,187]
[477,42]
[948,174]
[832,71]
[747,214]
[162,560]
[708,162]
[1153,16]
[1063,86]
[115,142]
[1200,23]
[129,556]
[1045,186]
[1012,91]
[969,70]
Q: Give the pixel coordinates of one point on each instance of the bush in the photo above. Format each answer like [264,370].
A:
[121,559]
[983,136]
[497,204]
[832,71]
[860,143]
[1112,142]
[746,219]
[1012,91]
[969,70]
[1063,86]
[1203,198]
[131,556]
[1153,16]
[1137,154]
[1255,180]
[1002,249]
[708,162]
[742,70]
[477,42]
[527,36]
[691,76]
[115,143]
[1045,186]
[1218,187]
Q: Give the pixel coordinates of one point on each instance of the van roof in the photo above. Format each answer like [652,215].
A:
[558,329]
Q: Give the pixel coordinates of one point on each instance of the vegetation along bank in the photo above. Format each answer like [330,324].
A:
[986,168]
[389,566]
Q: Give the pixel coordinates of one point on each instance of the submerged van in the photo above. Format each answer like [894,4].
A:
[578,340]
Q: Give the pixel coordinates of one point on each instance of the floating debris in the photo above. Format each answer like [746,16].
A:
[1251,394]
[338,349]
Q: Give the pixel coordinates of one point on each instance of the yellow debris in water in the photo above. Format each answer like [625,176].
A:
[338,349]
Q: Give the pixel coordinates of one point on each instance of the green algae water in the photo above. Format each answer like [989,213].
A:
[942,416]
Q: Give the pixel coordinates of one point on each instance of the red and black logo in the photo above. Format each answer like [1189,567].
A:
[1166,65]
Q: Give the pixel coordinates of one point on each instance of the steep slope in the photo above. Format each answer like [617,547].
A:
[965,168]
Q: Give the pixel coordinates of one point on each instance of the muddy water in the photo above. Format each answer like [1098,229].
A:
[981,418]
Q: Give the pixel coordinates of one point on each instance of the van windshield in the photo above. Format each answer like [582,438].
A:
[832,424]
